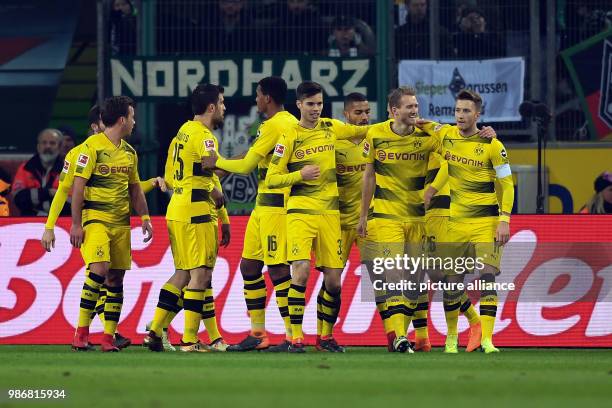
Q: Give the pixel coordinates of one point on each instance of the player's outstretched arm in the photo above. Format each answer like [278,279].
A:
[348,131]
[140,206]
[437,184]
[244,165]
[152,183]
[57,204]
[76,206]
[367,192]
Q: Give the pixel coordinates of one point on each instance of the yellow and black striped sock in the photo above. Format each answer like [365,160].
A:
[297,303]
[488,307]
[168,303]
[171,315]
[112,308]
[209,316]
[330,307]
[395,310]
[89,296]
[420,316]
[281,289]
[380,298]
[468,310]
[100,305]
[193,303]
[255,296]
[452,301]
[409,308]
[320,310]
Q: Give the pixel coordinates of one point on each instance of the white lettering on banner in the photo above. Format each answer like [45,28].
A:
[534,296]
[50,313]
[190,74]
[250,78]
[160,78]
[229,66]
[291,74]
[121,75]
[600,323]
[360,68]
[499,81]
[39,275]
[360,315]
[220,278]
[325,72]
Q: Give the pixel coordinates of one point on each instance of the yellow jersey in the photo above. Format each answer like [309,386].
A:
[440,202]
[350,165]
[191,185]
[474,164]
[300,146]
[400,163]
[109,170]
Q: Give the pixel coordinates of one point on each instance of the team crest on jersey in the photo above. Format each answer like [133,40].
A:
[479,150]
[438,127]
[82,160]
[366,149]
[209,145]
[66,166]
[418,143]
[279,150]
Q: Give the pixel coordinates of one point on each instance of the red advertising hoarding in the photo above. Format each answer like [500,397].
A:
[39,291]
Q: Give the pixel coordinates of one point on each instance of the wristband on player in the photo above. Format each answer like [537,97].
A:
[504,218]
[145,217]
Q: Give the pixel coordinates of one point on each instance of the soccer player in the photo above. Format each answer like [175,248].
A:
[265,237]
[397,153]
[350,165]
[189,216]
[436,244]
[63,191]
[476,219]
[105,182]
[304,159]
[171,295]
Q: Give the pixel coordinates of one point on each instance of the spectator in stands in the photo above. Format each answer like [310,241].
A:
[228,28]
[601,202]
[412,38]
[474,41]
[123,28]
[37,179]
[350,38]
[301,28]
[68,139]
[5,189]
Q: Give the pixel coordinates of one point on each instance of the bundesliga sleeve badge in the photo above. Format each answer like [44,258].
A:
[66,166]
[82,160]
[209,145]
[279,150]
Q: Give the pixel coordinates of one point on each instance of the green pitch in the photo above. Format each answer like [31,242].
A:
[368,377]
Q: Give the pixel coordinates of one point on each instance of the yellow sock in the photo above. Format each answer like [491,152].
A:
[281,289]
[330,307]
[420,316]
[193,304]
[209,316]
[255,297]
[168,303]
[100,305]
[320,309]
[452,302]
[488,307]
[468,310]
[112,308]
[297,304]
[382,311]
[395,309]
[89,296]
